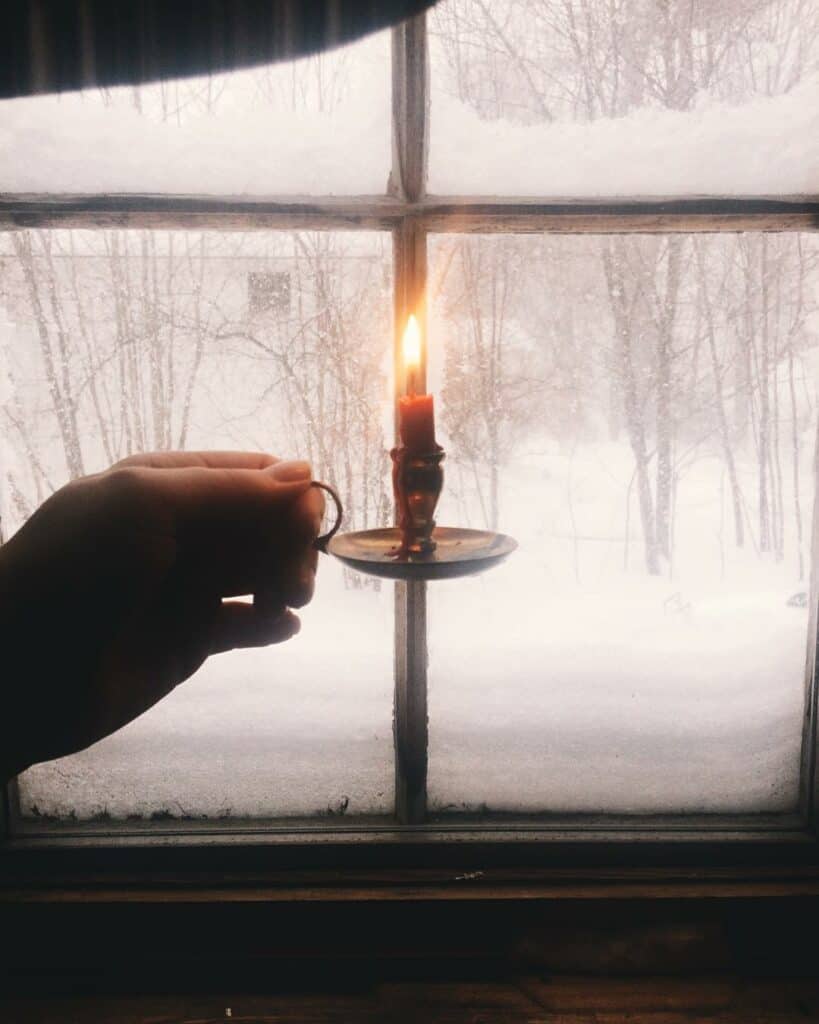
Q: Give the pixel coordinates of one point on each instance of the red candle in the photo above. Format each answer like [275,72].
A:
[416,423]
[416,415]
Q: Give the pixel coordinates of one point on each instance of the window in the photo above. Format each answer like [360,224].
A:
[268,292]
[569,99]
[159,327]
[314,126]
[614,258]
[646,653]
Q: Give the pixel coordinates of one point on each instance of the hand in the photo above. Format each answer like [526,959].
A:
[112,593]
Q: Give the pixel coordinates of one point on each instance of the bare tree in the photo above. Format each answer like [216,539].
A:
[490,386]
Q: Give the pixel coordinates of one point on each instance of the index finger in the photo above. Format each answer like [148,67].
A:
[195,498]
[204,460]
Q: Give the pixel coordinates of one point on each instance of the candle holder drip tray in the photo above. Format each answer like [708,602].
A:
[458,552]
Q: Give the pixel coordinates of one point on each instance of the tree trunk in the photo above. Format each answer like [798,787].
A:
[764,455]
[61,402]
[635,426]
[719,399]
[797,506]
[664,392]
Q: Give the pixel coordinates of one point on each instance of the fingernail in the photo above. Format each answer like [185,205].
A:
[291,472]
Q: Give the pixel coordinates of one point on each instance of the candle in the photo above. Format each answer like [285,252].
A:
[416,464]
[416,414]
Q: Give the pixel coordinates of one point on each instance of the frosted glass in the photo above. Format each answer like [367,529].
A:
[626,658]
[263,341]
[318,125]
[580,98]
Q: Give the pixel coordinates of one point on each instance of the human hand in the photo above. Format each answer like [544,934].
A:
[112,593]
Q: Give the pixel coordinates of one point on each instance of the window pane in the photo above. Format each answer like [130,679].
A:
[592,98]
[263,341]
[640,413]
[314,126]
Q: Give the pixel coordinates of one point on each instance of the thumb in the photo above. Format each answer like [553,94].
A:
[247,625]
[295,472]
[292,489]
[306,504]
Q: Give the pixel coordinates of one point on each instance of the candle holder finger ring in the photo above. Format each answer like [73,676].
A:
[320,543]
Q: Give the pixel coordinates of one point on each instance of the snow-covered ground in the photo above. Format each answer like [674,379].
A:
[563,682]
[558,682]
[302,728]
[765,146]
[310,129]
[315,126]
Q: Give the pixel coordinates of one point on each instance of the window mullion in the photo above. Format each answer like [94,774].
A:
[10,809]
[410,711]
[809,790]
[410,104]
[410,110]
[451,214]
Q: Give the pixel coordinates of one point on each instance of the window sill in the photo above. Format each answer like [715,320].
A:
[347,886]
[384,865]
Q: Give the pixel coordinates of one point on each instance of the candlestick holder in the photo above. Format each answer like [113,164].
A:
[441,552]
[417,479]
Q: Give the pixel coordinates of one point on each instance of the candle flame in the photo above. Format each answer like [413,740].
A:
[412,344]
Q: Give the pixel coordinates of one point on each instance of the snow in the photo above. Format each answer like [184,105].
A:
[764,146]
[321,127]
[317,126]
[565,680]
[614,692]
[303,728]
[568,679]
[7,330]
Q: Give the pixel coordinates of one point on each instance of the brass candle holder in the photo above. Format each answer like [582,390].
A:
[417,479]
[416,549]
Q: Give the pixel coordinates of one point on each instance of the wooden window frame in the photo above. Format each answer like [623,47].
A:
[410,214]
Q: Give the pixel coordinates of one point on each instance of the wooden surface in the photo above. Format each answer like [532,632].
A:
[607,962]
[531,999]
[121,945]
[809,796]
[459,886]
